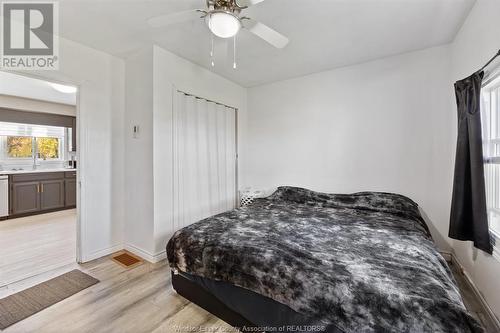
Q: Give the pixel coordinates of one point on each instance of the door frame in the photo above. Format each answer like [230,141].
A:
[80,218]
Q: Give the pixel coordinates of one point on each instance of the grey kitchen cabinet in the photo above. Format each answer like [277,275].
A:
[70,192]
[35,193]
[25,198]
[52,194]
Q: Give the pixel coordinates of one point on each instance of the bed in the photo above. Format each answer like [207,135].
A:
[303,261]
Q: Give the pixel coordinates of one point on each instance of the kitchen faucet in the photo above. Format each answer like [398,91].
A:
[36,156]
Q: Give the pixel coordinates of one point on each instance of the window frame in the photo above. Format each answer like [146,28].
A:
[4,156]
[491,147]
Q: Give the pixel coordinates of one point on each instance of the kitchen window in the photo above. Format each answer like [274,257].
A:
[48,148]
[490,116]
[19,147]
[20,142]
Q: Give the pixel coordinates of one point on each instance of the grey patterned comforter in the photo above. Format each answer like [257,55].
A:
[363,262]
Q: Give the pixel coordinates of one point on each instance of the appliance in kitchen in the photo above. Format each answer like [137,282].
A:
[4,196]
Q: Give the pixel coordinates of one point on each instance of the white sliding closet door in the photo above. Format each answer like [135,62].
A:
[204,146]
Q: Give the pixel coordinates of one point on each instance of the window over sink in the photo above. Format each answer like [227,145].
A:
[21,143]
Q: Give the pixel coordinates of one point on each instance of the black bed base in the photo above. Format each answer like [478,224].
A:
[201,297]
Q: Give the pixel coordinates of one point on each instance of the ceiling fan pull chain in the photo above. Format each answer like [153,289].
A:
[212,52]
[234,52]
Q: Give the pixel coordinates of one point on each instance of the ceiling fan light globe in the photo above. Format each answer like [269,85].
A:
[223,25]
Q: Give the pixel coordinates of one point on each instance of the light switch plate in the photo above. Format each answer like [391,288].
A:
[136,131]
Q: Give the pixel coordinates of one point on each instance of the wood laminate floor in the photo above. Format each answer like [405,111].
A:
[471,301]
[134,300]
[140,300]
[36,244]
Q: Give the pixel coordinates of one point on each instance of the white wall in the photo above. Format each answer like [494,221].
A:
[377,126]
[152,76]
[139,156]
[477,41]
[100,78]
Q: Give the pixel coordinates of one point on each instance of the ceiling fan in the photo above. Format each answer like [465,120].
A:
[224,19]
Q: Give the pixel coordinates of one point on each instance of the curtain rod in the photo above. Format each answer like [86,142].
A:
[490,61]
[206,99]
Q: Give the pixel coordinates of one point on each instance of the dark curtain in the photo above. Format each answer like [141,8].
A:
[469,220]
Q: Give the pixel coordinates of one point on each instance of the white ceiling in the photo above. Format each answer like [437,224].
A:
[22,86]
[324,34]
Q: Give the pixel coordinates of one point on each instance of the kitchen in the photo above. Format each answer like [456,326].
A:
[38,178]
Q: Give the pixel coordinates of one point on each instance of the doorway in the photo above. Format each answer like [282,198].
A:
[39,166]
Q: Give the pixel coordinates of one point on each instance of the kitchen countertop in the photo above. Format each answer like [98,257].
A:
[16,172]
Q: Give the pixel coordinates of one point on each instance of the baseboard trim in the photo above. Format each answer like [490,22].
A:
[161,256]
[479,295]
[152,258]
[146,255]
[101,253]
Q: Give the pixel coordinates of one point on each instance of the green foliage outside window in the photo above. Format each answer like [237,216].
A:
[48,147]
[19,146]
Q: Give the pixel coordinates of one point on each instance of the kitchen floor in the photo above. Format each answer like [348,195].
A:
[36,244]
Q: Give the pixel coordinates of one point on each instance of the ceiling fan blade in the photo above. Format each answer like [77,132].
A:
[168,19]
[269,35]
[248,3]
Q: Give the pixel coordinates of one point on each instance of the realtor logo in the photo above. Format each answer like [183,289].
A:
[29,35]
